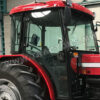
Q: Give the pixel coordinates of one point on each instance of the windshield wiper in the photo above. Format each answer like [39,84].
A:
[73,29]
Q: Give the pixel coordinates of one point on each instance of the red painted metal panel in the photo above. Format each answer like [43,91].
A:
[40,70]
[74,64]
[82,9]
[91,58]
[49,4]
[35,6]
[90,71]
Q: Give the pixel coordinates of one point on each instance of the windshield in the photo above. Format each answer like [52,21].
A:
[81,35]
[43,36]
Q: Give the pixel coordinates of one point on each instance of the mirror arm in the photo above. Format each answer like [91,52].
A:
[96,29]
[98,23]
[96,26]
[98,40]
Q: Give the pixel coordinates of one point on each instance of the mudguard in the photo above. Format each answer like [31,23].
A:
[23,59]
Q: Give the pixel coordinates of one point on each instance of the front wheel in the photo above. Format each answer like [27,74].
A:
[19,83]
[8,91]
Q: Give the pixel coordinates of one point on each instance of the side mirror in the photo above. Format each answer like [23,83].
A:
[96,26]
[67,15]
[34,39]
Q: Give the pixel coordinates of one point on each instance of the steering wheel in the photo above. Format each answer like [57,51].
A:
[33,46]
[35,54]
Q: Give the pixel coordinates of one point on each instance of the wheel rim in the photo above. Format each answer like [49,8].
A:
[8,91]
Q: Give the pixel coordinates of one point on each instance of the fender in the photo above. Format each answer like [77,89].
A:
[38,67]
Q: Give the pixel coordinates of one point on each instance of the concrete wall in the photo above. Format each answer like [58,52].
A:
[7,27]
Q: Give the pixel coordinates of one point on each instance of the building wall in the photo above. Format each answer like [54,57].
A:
[7,27]
[13,3]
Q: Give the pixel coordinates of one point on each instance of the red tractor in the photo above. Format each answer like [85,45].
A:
[55,55]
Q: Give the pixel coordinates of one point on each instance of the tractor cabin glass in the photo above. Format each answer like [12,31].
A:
[81,33]
[39,34]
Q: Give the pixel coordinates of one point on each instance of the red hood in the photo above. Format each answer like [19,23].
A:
[91,64]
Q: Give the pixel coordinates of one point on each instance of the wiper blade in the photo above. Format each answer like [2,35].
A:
[74,28]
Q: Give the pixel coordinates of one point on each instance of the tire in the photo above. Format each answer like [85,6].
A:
[17,82]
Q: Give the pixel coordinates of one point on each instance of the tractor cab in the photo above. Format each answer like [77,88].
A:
[56,41]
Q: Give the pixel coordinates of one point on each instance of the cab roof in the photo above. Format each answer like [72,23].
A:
[48,4]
